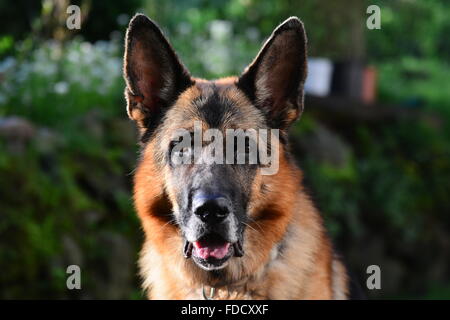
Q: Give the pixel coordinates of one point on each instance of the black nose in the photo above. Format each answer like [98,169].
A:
[211,209]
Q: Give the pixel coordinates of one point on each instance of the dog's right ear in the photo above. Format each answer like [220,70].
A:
[153,73]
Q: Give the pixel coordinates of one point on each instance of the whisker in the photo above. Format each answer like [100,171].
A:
[257,224]
[168,222]
[257,231]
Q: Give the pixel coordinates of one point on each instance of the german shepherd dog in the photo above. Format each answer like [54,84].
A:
[224,231]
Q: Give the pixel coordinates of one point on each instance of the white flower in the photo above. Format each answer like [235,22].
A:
[7,64]
[123,19]
[220,29]
[61,87]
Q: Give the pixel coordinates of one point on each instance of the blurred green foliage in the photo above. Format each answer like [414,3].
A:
[65,188]
[54,83]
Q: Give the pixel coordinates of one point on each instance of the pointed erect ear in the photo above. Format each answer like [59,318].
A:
[274,81]
[153,73]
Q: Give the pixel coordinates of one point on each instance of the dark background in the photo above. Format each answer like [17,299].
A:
[379,171]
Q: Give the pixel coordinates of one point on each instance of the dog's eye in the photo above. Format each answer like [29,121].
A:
[247,145]
[246,152]
[241,148]
[175,148]
[179,151]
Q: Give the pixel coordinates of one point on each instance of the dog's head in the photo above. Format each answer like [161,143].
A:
[182,118]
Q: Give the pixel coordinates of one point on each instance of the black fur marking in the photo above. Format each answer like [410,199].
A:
[215,108]
[151,124]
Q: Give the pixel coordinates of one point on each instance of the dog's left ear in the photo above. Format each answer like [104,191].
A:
[274,80]
[153,73]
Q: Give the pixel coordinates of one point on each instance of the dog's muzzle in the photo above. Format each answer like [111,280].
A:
[212,247]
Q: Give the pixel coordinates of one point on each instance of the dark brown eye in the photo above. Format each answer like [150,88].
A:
[176,149]
[243,152]
[179,151]
[247,145]
[172,146]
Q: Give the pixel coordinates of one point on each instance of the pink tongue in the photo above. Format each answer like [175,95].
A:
[218,251]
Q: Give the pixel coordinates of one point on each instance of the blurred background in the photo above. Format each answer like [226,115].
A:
[374,140]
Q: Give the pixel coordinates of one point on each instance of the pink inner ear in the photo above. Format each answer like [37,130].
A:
[148,73]
[280,82]
[153,72]
[281,68]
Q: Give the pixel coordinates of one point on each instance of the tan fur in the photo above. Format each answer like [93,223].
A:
[307,268]
[288,254]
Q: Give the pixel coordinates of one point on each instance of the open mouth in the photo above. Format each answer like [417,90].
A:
[212,252]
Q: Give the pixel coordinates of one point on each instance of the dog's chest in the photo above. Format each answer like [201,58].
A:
[208,293]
